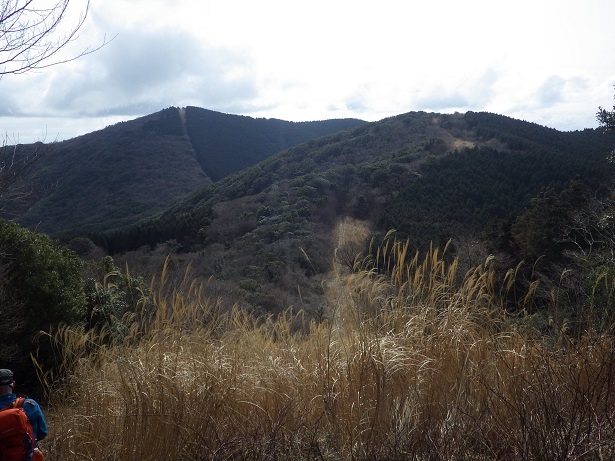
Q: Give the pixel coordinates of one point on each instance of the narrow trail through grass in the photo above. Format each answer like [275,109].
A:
[412,360]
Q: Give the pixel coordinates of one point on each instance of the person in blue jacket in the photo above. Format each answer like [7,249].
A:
[31,407]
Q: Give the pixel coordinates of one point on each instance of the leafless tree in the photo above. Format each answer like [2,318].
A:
[350,254]
[33,32]
[606,118]
[591,232]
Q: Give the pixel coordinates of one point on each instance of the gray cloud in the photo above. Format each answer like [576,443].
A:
[557,89]
[437,100]
[551,91]
[6,107]
[470,94]
[11,97]
[141,72]
[545,98]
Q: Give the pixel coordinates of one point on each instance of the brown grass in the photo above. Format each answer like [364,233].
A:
[415,361]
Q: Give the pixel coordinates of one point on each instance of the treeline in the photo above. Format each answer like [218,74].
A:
[347,170]
[225,144]
[393,172]
[133,170]
[107,179]
[461,193]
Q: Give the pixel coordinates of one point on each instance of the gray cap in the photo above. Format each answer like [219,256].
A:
[6,377]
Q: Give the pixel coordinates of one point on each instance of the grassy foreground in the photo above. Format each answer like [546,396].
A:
[420,364]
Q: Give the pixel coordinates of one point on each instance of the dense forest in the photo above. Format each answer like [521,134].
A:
[460,193]
[133,170]
[225,145]
[430,178]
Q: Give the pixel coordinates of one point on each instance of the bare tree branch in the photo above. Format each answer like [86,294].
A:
[32,35]
[591,231]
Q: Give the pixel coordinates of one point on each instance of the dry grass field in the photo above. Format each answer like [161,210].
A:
[414,361]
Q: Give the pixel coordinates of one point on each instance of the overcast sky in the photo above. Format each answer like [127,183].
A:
[546,61]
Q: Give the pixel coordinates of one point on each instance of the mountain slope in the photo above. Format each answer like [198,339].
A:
[132,170]
[499,176]
[226,143]
[271,229]
[481,165]
[111,177]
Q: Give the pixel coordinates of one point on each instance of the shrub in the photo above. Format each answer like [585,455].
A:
[113,298]
[40,287]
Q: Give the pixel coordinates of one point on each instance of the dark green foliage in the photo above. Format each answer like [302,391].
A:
[398,164]
[168,122]
[225,144]
[132,171]
[562,243]
[41,274]
[460,193]
[431,177]
[14,162]
[40,287]
[544,229]
[110,178]
[562,246]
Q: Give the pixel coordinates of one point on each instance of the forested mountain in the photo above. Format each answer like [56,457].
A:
[225,144]
[422,174]
[431,177]
[132,170]
[274,223]
[268,236]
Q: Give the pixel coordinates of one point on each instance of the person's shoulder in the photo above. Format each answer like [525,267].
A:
[30,402]
[7,399]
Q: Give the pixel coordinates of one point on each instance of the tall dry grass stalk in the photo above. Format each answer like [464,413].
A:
[415,361]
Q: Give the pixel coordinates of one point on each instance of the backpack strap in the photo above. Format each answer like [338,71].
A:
[18,402]
[14,404]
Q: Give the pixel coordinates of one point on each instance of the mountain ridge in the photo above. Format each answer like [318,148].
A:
[269,232]
[383,158]
[131,170]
